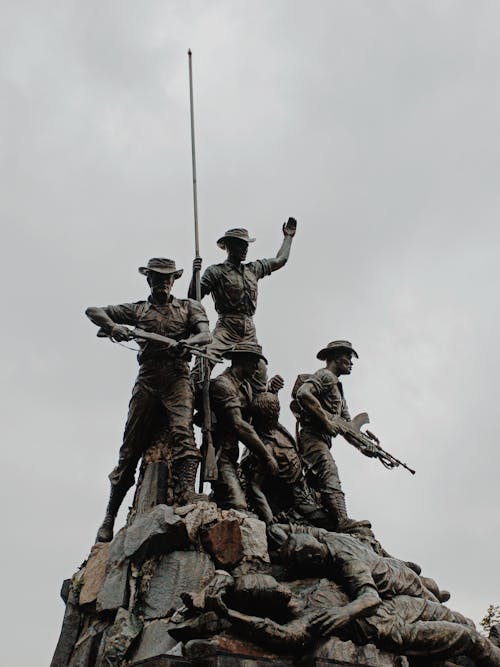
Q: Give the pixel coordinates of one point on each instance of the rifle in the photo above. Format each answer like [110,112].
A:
[140,334]
[208,469]
[366,442]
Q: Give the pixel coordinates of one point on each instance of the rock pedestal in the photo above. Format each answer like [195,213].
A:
[141,600]
[123,602]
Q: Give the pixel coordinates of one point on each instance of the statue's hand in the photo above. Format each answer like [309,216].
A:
[197,262]
[275,384]
[329,620]
[290,227]
[333,427]
[119,332]
[179,348]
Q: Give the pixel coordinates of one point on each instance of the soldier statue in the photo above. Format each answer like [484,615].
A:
[231,400]
[163,388]
[287,493]
[233,286]
[384,605]
[318,403]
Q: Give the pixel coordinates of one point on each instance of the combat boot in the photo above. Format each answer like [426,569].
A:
[185,477]
[105,532]
[334,503]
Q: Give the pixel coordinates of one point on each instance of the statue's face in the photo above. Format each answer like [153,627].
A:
[249,362]
[305,552]
[237,249]
[344,363]
[161,285]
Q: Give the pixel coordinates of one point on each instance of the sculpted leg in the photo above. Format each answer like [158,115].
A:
[227,490]
[178,403]
[138,429]
[323,474]
[442,638]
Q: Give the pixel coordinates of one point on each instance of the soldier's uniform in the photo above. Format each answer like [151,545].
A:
[315,443]
[234,291]
[288,491]
[228,392]
[162,383]
[402,624]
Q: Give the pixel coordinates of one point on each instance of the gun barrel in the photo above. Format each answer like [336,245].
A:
[366,444]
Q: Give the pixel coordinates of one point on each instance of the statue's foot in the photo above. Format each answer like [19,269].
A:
[444,596]
[413,566]
[105,532]
[191,497]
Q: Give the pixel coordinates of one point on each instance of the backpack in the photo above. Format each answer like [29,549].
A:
[295,406]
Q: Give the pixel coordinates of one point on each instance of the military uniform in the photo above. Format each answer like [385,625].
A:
[162,383]
[315,443]
[288,491]
[226,393]
[234,291]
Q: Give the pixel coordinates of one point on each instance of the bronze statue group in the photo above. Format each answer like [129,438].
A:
[290,483]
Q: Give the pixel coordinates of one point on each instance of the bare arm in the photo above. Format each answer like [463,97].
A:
[331,619]
[247,435]
[310,403]
[100,318]
[201,335]
[291,635]
[284,252]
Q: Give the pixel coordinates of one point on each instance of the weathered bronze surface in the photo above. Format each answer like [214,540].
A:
[270,570]
[162,388]
[233,286]
[318,404]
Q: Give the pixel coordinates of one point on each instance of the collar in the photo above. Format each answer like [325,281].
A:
[230,265]
[172,301]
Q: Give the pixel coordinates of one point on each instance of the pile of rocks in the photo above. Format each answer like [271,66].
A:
[126,596]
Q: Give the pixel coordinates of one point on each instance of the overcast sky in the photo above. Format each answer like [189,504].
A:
[375,124]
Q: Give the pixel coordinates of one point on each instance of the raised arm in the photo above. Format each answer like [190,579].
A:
[283,253]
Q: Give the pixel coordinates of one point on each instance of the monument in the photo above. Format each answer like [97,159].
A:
[267,568]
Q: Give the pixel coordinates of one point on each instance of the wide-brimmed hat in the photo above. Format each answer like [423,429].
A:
[161,265]
[336,345]
[238,233]
[245,348]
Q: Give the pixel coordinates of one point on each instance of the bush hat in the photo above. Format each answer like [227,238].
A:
[245,348]
[161,265]
[237,233]
[336,345]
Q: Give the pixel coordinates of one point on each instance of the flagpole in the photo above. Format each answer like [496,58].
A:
[208,469]
[195,191]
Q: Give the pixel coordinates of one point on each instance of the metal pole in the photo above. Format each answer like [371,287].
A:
[195,192]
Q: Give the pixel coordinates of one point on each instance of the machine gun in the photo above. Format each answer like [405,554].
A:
[366,442]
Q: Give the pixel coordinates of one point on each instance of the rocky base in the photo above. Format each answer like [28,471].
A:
[129,596]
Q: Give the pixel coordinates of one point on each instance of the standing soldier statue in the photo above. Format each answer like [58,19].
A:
[233,286]
[163,383]
[318,404]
